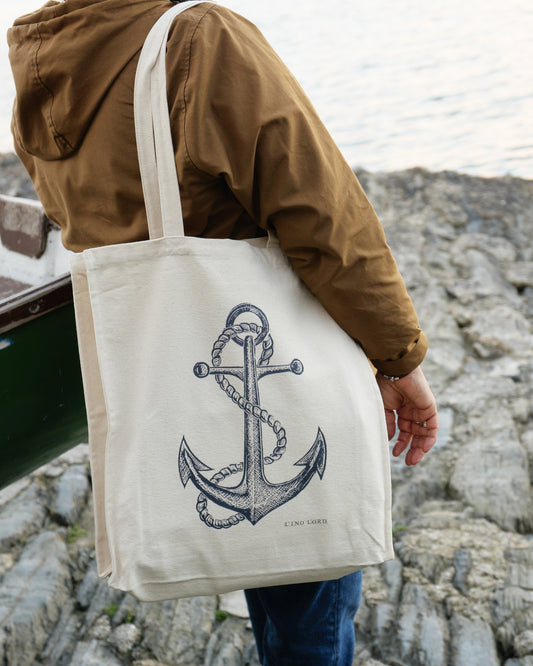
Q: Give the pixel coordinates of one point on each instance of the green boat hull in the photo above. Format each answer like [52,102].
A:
[42,408]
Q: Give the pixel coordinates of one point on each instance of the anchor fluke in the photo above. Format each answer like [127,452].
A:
[315,458]
[187,460]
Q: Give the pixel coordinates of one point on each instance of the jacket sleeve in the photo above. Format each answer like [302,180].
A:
[247,120]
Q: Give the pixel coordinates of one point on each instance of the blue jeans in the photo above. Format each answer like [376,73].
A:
[309,624]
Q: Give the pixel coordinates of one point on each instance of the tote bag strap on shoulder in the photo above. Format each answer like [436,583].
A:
[152,130]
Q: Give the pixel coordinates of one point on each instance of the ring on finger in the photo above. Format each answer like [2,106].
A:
[422,424]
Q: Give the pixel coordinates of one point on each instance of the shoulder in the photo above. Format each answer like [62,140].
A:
[208,16]
[216,27]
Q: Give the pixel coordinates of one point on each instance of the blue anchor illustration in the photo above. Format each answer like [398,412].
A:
[254,496]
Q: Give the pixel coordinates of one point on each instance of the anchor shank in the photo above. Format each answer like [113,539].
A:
[253,444]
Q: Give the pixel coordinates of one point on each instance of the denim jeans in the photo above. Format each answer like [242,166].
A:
[308,624]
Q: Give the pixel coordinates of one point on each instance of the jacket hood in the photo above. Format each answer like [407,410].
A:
[64,58]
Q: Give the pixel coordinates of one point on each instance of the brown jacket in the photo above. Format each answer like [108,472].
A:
[250,152]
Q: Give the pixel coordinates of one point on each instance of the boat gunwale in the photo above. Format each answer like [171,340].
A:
[32,303]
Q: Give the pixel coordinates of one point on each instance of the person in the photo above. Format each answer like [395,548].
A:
[251,154]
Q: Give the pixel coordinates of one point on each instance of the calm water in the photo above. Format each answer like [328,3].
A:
[446,84]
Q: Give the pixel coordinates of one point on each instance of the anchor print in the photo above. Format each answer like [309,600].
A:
[254,496]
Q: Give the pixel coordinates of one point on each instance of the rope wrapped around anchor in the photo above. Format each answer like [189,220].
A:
[250,408]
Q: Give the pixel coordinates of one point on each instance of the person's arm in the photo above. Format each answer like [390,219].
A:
[247,121]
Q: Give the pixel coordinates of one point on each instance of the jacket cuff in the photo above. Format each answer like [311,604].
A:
[407,361]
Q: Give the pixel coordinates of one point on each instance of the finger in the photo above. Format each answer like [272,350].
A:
[416,422]
[403,441]
[419,447]
[424,440]
[421,430]
[390,419]
[399,448]
[414,456]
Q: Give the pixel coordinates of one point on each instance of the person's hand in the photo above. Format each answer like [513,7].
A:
[412,400]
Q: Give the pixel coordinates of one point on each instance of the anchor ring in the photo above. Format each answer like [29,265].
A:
[241,309]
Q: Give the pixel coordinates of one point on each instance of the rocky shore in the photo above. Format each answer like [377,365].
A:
[460,591]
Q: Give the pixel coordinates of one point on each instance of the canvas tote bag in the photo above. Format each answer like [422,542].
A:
[237,434]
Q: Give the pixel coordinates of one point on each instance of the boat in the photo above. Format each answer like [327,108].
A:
[42,408]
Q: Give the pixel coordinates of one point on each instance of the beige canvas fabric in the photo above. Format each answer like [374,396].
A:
[237,433]
[96,409]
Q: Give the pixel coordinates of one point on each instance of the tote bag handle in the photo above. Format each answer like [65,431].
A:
[152,131]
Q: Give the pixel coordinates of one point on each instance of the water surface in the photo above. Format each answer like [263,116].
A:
[398,83]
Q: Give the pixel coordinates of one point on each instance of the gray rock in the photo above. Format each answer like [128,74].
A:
[105,600]
[32,596]
[526,440]
[527,298]
[3,645]
[392,573]
[364,621]
[414,274]
[492,476]
[503,330]
[92,653]
[520,274]
[506,366]
[101,629]
[88,587]
[383,623]
[227,644]
[11,491]
[525,661]
[474,394]
[446,353]
[481,278]
[124,638]
[472,643]
[64,638]
[412,487]
[446,420]
[178,631]
[520,569]
[79,455]
[462,562]
[7,560]
[22,516]
[523,644]
[14,179]
[422,629]
[127,611]
[250,657]
[430,563]
[234,603]
[512,608]
[513,614]
[497,248]
[71,495]
[444,361]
